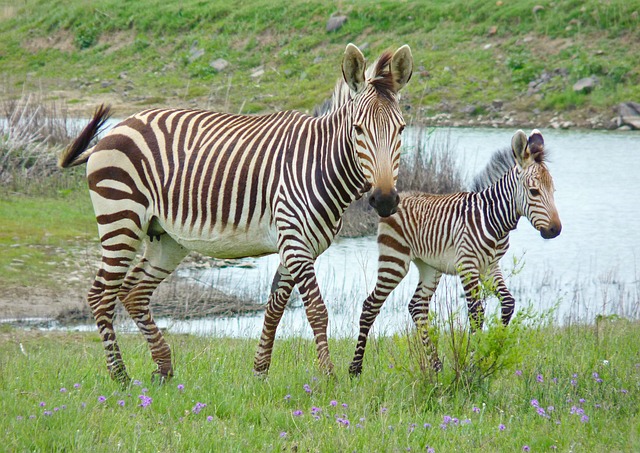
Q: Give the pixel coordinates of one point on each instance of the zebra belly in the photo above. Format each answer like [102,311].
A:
[229,243]
[444,262]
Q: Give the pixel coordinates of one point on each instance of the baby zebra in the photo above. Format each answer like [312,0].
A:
[463,234]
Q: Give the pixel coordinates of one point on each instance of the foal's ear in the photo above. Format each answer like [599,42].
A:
[528,150]
[401,67]
[353,66]
[519,145]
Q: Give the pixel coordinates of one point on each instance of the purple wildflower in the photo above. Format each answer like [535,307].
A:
[518,372]
[343,421]
[412,427]
[476,409]
[466,421]
[63,390]
[345,405]
[136,382]
[574,382]
[584,418]
[383,410]
[180,387]
[501,427]
[210,418]
[427,425]
[19,417]
[539,378]
[31,417]
[102,399]
[145,400]
[48,413]
[534,403]
[56,409]
[287,397]
[446,419]
[121,403]
[307,388]
[283,434]
[551,409]
[431,450]
[334,403]
[76,386]
[624,391]
[83,405]
[42,404]
[198,407]
[525,448]
[315,410]
[297,413]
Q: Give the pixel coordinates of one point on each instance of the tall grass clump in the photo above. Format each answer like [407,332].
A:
[426,165]
[32,132]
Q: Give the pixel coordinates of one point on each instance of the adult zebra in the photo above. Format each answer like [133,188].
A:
[464,233]
[234,186]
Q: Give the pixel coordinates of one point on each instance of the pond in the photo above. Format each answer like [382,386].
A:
[590,269]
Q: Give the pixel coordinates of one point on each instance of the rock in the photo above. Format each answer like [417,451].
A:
[219,64]
[492,30]
[628,114]
[257,72]
[195,53]
[497,104]
[585,85]
[335,22]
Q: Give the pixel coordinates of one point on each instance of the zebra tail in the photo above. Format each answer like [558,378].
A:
[77,153]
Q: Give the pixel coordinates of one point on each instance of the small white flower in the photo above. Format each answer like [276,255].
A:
[605,362]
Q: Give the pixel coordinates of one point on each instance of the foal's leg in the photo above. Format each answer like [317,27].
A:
[419,308]
[281,289]
[507,301]
[393,265]
[160,259]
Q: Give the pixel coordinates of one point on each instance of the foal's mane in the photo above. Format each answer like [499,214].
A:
[500,163]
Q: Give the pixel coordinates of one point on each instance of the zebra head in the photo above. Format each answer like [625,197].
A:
[376,120]
[535,185]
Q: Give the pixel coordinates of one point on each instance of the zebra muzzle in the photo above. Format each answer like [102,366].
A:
[385,204]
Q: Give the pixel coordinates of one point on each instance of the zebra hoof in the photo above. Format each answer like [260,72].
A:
[355,370]
[121,377]
[159,378]
[436,365]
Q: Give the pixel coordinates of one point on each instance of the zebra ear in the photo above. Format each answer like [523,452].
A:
[353,66]
[401,67]
[520,148]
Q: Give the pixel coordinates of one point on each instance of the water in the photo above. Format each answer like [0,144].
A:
[590,269]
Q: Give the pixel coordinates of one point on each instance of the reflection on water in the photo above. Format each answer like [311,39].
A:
[590,269]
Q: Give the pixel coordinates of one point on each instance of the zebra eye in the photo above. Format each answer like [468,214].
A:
[358,129]
[401,130]
[534,192]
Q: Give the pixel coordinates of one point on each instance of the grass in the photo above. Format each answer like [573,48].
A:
[572,388]
[145,53]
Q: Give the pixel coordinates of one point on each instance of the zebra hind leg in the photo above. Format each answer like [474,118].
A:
[507,301]
[281,289]
[419,310]
[118,252]
[160,259]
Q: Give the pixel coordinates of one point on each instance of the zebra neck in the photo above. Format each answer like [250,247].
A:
[342,174]
[500,204]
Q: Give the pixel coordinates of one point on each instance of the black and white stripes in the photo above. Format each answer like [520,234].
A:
[232,186]
[463,233]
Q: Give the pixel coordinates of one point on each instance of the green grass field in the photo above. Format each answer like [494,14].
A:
[568,389]
[467,53]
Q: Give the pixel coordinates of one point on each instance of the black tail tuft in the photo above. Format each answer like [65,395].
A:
[70,156]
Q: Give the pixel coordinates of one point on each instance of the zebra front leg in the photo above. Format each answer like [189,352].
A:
[419,310]
[393,265]
[507,301]
[160,259]
[281,289]
[475,309]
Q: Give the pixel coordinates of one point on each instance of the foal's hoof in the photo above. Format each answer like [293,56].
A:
[159,378]
[355,370]
[436,365]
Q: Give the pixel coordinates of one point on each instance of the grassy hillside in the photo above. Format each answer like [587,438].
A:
[467,53]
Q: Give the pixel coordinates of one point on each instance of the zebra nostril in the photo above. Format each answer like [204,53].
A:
[372,201]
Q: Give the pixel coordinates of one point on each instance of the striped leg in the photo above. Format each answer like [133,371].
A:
[471,284]
[419,309]
[507,301]
[281,289]
[393,265]
[160,259]
[118,252]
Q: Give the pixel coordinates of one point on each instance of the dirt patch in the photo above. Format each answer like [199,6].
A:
[177,297]
[60,40]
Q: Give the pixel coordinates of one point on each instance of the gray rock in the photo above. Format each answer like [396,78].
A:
[335,22]
[585,85]
[257,72]
[195,53]
[628,115]
[219,64]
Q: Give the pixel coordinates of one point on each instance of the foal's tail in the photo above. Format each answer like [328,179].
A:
[77,153]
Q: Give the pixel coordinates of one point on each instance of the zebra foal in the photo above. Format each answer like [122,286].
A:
[464,233]
[232,186]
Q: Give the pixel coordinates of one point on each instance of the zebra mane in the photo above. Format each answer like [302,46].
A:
[501,162]
[377,74]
